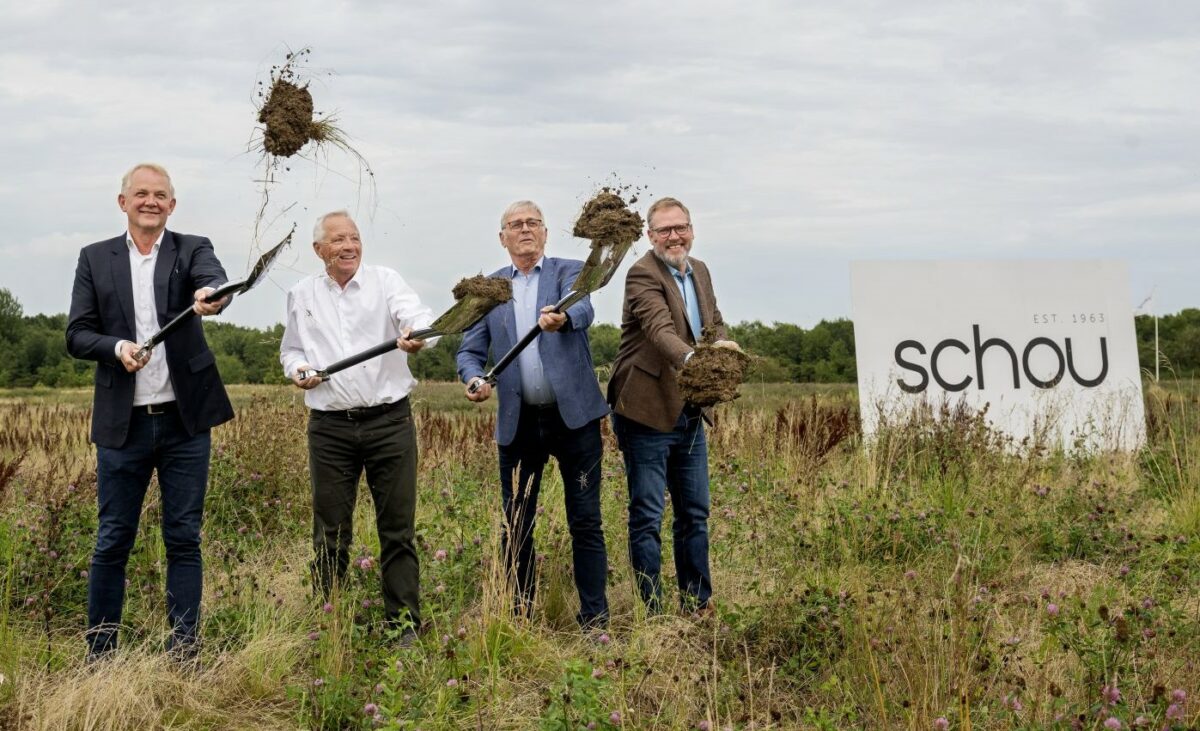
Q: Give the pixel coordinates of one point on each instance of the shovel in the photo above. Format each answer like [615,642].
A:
[600,266]
[256,275]
[461,315]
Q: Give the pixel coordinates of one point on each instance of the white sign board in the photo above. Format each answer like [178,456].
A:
[1047,346]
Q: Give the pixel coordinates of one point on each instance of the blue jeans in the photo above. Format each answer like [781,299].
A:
[155,442]
[540,434]
[674,462]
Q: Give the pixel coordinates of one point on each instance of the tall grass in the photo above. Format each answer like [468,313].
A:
[935,578]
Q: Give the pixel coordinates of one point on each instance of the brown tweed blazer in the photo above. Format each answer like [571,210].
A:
[655,338]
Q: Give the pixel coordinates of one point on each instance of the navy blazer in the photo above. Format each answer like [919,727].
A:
[566,354]
[102,314]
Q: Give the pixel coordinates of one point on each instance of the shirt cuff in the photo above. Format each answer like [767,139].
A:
[117,350]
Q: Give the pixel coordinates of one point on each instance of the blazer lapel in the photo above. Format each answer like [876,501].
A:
[163,266]
[547,284]
[674,298]
[123,282]
[509,313]
[704,300]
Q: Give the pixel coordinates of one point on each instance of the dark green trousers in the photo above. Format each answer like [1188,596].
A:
[341,446]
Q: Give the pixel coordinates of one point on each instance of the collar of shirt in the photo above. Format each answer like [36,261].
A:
[332,284]
[681,275]
[153,249]
[536,268]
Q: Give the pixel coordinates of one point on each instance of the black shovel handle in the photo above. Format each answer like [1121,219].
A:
[504,362]
[374,351]
[157,338]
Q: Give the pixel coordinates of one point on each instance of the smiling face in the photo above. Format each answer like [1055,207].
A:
[147,201]
[340,248]
[524,236]
[671,235]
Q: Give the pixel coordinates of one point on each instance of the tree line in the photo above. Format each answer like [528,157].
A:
[35,351]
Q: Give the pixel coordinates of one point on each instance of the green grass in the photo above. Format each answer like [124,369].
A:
[936,576]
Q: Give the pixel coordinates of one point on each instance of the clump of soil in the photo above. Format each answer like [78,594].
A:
[606,219]
[492,289]
[711,376]
[287,114]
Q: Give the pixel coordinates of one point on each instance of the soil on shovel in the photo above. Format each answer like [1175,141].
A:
[711,376]
[492,289]
[606,218]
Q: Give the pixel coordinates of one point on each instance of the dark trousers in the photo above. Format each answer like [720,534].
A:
[674,462]
[339,450]
[155,442]
[541,433]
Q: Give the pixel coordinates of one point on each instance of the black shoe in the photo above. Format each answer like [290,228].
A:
[408,637]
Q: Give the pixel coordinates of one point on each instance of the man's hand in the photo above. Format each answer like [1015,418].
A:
[482,393]
[408,346]
[129,358]
[305,383]
[550,321]
[207,308]
[728,345]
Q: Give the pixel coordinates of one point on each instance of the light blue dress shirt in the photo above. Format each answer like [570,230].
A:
[535,387]
[687,288]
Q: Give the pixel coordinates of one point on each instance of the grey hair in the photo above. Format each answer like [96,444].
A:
[518,206]
[319,227]
[127,179]
[662,203]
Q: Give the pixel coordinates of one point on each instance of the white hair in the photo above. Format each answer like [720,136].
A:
[518,206]
[319,227]
[127,179]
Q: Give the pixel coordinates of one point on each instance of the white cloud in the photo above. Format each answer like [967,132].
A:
[801,136]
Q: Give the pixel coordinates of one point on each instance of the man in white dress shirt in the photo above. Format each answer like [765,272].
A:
[360,419]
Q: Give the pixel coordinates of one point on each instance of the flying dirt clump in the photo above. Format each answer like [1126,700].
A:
[287,114]
[492,289]
[606,218]
[711,376]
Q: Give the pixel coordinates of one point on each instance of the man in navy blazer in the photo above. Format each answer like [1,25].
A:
[550,404]
[150,413]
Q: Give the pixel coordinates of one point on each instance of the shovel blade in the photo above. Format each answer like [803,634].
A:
[463,314]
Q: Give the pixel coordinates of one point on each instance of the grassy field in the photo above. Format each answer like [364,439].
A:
[934,581]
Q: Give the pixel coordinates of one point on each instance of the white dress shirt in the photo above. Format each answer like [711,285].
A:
[151,384]
[326,323]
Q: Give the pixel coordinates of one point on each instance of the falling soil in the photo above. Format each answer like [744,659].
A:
[606,219]
[712,374]
[288,116]
[492,289]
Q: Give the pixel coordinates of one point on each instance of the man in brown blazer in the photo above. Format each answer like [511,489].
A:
[669,301]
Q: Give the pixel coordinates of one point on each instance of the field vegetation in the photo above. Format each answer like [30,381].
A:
[941,579]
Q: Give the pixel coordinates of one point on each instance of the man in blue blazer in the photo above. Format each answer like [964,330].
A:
[550,404]
[151,413]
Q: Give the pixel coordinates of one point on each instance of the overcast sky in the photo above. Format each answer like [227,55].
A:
[803,136]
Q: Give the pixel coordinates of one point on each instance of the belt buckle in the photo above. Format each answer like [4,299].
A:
[355,414]
[150,409]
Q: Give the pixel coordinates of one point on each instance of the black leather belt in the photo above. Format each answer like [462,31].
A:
[165,407]
[540,407]
[363,413]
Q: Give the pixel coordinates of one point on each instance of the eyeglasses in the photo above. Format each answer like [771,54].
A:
[533,223]
[665,231]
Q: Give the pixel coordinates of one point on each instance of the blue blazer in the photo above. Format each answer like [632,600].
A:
[566,355]
[102,314]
